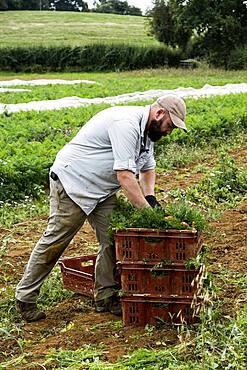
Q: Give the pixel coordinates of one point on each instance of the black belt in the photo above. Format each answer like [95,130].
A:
[54,176]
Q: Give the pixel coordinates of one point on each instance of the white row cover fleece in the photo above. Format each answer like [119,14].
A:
[75,102]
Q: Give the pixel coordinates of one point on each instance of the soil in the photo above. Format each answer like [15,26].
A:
[74,323]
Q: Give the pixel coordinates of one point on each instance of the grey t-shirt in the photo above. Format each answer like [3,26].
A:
[112,140]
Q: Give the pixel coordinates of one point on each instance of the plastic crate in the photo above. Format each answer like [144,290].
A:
[141,310]
[78,274]
[173,246]
[163,282]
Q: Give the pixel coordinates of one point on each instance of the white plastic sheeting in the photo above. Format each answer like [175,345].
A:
[43,82]
[75,102]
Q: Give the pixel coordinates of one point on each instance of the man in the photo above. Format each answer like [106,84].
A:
[106,154]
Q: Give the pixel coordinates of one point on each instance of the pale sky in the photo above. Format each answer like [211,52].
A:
[142,4]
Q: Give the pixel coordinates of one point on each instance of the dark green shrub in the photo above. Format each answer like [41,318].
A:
[95,57]
[237,59]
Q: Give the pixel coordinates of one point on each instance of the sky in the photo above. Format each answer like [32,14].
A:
[142,4]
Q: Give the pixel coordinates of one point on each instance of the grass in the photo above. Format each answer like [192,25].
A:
[14,212]
[116,83]
[47,28]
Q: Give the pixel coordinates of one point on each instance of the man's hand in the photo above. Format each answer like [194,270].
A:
[151,199]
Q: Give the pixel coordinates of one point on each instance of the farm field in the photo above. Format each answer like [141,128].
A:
[116,83]
[206,169]
[29,28]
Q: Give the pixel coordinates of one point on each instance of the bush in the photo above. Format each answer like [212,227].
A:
[95,57]
[237,59]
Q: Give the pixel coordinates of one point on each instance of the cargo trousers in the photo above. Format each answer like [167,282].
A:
[65,220]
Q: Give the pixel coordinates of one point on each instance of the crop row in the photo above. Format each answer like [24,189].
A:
[117,83]
[29,141]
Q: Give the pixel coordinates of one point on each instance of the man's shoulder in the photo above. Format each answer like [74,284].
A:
[127,109]
[131,114]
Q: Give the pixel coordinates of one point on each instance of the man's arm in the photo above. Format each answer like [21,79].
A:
[132,189]
[147,181]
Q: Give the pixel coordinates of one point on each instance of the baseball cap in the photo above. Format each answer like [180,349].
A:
[176,108]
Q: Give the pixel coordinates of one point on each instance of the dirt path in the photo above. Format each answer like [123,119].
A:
[74,323]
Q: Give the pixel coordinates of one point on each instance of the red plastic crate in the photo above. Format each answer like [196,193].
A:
[173,246]
[163,282]
[141,310]
[78,274]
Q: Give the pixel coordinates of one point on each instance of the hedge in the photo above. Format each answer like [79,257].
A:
[95,57]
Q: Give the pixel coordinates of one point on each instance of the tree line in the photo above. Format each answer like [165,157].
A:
[213,29]
[209,30]
[100,6]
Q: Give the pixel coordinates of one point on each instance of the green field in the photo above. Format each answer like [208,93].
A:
[28,28]
[116,83]
[204,169]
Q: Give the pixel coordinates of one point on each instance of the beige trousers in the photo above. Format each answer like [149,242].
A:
[65,220]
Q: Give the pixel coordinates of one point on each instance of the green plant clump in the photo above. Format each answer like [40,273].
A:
[179,215]
[225,184]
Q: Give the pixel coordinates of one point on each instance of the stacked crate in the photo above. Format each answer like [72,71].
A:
[156,285]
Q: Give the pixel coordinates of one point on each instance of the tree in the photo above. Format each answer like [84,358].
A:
[3,5]
[165,23]
[133,10]
[220,24]
[69,5]
[117,7]
[23,4]
[73,5]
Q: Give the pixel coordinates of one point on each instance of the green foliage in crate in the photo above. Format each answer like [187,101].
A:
[179,215]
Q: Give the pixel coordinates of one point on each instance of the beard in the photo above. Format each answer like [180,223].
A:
[154,132]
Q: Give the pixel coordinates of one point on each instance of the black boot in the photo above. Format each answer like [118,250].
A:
[111,304]
[29,311]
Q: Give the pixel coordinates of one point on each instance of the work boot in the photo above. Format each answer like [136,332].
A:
[111,304]
[29,311]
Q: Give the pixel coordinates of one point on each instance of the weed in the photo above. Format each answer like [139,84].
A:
[13,212]
[222,187]
[52,290]
[73,359]
[116,325]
